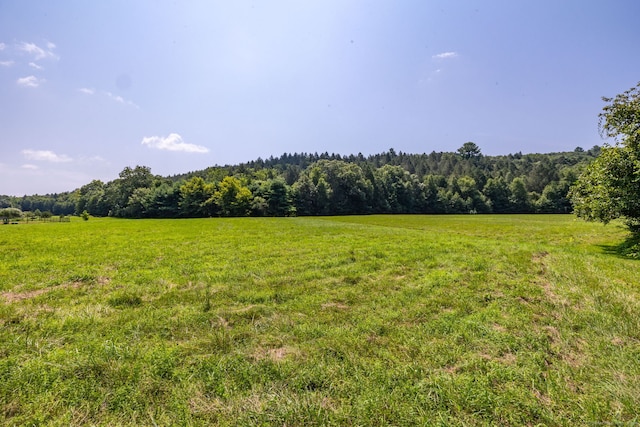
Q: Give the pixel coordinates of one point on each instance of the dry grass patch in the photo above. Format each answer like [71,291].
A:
[335,306]
[275,354]
[12,297]
[542,398]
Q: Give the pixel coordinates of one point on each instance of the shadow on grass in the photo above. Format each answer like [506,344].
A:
[627,249]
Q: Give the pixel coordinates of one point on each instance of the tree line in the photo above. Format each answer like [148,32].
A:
[465,181]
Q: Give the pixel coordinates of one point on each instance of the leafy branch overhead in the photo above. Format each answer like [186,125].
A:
[622,116]
[610,186]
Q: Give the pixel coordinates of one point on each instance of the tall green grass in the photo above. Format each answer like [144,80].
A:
[363,320]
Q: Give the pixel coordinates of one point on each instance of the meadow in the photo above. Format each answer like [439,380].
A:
[358,320]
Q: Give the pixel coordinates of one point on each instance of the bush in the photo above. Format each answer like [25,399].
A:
[10,213]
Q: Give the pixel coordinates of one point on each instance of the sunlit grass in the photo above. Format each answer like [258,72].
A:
[364,320]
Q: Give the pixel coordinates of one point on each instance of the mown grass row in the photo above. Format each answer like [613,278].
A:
[375,320]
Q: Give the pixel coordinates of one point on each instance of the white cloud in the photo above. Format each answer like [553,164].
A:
[29,81]
[445,55]
[121,100]
[7,63]
[116,98]
[111,96]
[2,46]
[173,142]
[38,52]
[29,166]
[36,66]
[46,156]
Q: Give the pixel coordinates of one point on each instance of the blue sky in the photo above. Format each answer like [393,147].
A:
[87,88]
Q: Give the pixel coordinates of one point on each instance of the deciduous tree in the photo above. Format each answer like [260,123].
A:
[610,186]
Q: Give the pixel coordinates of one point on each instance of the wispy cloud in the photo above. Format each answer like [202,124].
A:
[7,63]
[29,81]
[36,66]
[46,156]
[121,100]
[445,55]
[173,142]
[29,166]
[2,46]
[91,160]
[38,52]
[111,96]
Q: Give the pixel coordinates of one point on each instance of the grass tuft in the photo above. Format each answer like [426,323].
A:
[124,300]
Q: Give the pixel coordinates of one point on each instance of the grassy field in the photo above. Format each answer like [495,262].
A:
[364,320]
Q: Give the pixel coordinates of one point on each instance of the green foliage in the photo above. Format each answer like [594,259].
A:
[469,150]
[610,186]
[195,195]
[85,215]
[232,198]
[91,197]
[341,186]
[622,117]
[396,191]
[330,184]
[10,213]
[271,197]
[519,199]
[497,191]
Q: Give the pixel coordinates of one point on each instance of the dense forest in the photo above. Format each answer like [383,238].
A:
[465,181]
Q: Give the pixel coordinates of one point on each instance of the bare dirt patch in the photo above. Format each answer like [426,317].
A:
[508,358]
[452,369]
[328,403]
[274,354]
[499,328]
[204,405]
[538,256]
[335,305]
[539,259]
[13,297]
[552,333]
[618,341]
[542,398]
[572,353]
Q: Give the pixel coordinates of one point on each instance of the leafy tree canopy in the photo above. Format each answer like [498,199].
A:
[10,213]
[331,184]
[610,186]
